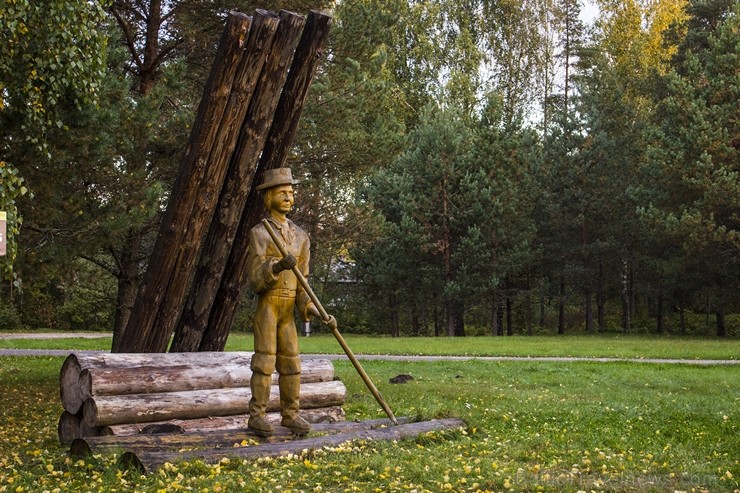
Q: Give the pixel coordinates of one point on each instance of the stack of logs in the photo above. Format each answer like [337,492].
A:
[124,394]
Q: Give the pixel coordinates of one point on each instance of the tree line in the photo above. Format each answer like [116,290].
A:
[466,167]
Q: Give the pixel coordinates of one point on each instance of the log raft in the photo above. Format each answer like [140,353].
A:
[239,436]
[149,460]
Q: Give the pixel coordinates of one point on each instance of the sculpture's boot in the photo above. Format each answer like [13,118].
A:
[260,385]
[290,390]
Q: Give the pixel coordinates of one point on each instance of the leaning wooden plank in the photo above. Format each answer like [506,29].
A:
[148,461]
[309,53]
[108,410]
[207,439]
[174,378]
[237,185]
[330,414]
[264,26]
[279,143]
[141,335]
[246,93]
[75,363]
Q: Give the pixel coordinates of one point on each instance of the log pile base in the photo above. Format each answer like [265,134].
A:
[197,391]
[148,453]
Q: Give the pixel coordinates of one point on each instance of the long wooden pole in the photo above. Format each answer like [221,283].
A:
[335,331]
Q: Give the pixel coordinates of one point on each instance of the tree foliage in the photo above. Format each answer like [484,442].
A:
[52,54]
[12,186]
[419,161]
[692,179]
[453,215]
[50,50]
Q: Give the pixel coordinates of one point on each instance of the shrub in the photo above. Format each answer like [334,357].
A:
[9,318]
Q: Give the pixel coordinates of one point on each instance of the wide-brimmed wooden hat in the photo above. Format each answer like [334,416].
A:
[275,177]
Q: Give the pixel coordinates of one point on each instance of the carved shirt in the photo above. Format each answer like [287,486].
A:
[263,254]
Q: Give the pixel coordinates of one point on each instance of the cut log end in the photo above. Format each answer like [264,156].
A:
[90,413]
[131,462]
[69,390]
[68,428]
[80,448]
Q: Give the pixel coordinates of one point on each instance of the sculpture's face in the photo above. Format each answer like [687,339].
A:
[281,198]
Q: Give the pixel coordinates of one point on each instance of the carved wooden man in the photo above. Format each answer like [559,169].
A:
[271,277]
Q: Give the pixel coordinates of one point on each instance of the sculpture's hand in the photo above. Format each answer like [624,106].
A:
[286,263]
[331,323]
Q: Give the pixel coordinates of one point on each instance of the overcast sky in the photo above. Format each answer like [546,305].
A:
[589,11]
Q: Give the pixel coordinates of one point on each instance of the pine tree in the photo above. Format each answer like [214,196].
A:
[694,200]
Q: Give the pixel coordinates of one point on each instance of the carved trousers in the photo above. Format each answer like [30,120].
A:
[275,347]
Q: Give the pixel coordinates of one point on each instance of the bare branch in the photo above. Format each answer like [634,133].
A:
[129,35]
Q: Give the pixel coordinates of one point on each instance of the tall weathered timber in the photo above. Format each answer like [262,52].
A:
[282,133]
[245,123]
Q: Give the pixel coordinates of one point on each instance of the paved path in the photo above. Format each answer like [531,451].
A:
[54,335]
[366,357]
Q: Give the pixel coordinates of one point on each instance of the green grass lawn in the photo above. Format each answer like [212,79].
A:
[573,345]
[597,345]
[532,426]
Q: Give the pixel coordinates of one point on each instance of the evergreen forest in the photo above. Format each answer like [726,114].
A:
[466,167]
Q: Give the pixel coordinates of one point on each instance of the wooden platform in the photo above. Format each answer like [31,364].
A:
[146,453]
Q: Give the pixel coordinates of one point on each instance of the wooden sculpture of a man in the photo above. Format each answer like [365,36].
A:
[275,335]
